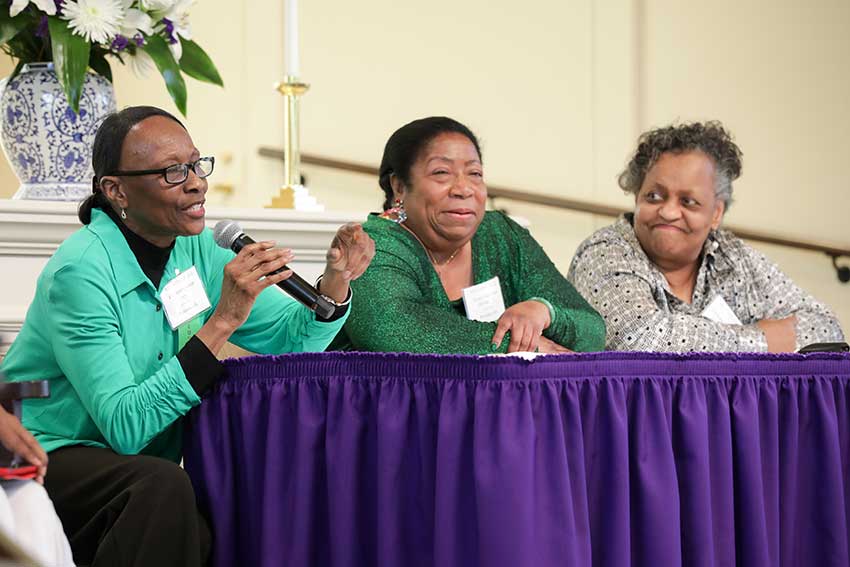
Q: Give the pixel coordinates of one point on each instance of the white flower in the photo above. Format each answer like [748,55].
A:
[47,6]
[95,20]
[156,5]
[176,50]
[136,21]
[179,16]
[141,64]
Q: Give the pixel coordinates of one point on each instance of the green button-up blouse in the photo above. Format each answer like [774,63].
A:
[96,330]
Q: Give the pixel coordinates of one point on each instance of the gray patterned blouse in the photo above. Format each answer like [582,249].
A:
[611,270]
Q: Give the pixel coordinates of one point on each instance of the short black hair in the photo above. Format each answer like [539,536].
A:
[106,151]
[405,145]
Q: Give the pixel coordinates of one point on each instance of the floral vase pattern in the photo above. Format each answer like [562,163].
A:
[48,145]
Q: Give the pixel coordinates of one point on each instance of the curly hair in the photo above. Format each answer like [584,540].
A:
[711,138]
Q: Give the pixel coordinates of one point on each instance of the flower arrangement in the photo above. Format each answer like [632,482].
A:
[81,34]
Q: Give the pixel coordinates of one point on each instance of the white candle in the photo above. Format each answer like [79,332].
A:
[291,37]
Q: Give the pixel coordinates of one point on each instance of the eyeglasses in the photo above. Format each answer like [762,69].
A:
[177,173]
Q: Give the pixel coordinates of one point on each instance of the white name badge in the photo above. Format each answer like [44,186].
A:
[720,312]
[484,301]
[184,297]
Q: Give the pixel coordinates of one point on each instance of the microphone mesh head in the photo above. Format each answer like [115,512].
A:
[226,232]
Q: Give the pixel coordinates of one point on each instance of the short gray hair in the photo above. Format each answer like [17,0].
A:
[711,138]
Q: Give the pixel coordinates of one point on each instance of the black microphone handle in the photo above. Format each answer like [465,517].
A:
[294,285]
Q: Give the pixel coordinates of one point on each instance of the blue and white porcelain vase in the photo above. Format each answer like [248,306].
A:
[47,144]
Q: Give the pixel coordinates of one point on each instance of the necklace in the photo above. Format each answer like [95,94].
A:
[445,262]
[437,265]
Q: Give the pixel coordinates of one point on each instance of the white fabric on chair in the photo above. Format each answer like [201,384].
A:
[28,518]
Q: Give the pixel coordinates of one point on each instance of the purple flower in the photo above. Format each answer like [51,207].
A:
[119,43]
[139,40]
[41,29]
[169,30]
[59,4]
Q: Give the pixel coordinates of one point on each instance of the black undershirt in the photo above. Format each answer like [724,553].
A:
[201,367]
[152,259]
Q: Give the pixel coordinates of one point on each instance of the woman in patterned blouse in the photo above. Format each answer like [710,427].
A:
[665,278]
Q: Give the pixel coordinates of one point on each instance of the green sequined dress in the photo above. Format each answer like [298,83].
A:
[399,304]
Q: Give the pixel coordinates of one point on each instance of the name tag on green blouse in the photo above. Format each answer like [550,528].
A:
[484,301]
[184,298]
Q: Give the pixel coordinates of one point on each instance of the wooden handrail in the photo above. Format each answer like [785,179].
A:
[496,192]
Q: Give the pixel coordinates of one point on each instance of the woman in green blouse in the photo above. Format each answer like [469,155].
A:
[127,318]
[434,239]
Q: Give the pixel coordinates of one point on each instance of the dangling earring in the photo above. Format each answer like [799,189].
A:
[123,214]
[396,214]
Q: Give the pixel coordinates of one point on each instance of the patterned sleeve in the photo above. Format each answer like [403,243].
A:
[609,275]
[815,322]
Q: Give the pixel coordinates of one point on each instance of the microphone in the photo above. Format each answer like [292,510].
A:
[228,234]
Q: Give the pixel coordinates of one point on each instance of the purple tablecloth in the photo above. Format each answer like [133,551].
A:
[609,459]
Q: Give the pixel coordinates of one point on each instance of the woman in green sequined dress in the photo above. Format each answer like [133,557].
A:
[434,239]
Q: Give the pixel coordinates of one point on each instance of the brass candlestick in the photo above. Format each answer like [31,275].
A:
[291,88]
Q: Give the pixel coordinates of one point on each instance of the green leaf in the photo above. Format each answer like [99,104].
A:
[156,47]
[17,69]
[100,65]
[70,59]
[197,64]
[9,26]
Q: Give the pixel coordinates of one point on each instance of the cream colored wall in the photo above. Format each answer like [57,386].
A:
[557,91]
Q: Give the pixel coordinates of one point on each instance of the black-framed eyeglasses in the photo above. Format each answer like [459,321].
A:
[177,173]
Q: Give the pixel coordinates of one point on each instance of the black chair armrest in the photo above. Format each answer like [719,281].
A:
[11,394]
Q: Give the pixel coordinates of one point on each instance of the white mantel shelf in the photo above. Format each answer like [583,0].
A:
[39,227]
[31,231]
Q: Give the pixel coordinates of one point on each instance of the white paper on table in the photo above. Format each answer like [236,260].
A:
[525,355]
[484,301]
[720,312]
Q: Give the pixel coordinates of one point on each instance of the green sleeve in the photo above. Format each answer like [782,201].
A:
[277,323]
[575,325]
[85,323]
[390,312]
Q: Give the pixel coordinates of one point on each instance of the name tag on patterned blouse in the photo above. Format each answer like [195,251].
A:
[484,301]
[720,312]
[184,297]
